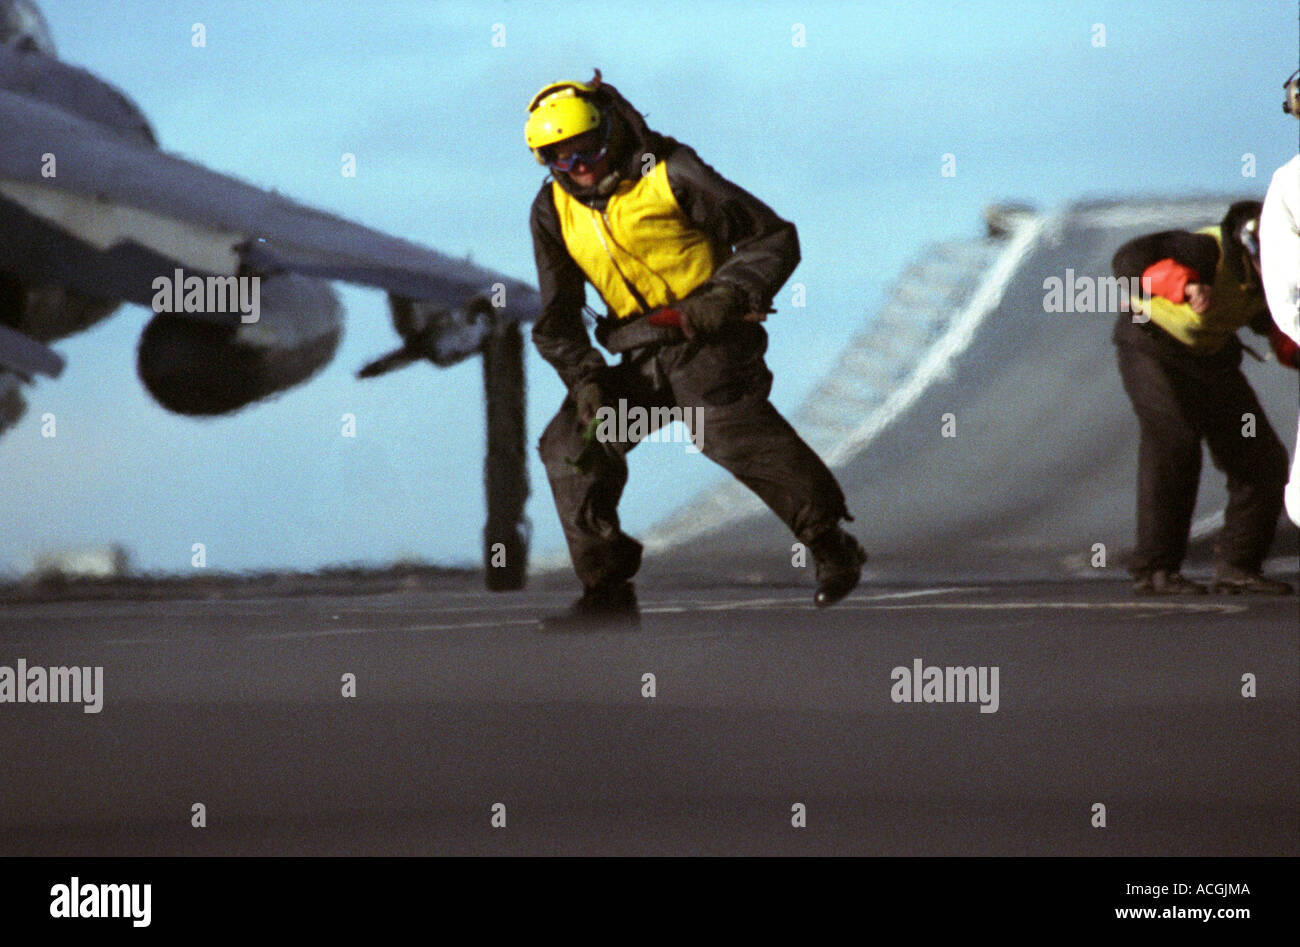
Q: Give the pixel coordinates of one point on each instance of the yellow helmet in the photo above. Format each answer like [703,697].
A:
[559,111]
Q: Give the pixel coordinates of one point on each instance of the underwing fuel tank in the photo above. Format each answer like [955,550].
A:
[289,327]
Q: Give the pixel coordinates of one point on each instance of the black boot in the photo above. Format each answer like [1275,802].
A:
[601,608]
[839,559]
[1165,582]
[1235,581]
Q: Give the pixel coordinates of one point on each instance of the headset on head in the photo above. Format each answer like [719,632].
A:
[1291,104]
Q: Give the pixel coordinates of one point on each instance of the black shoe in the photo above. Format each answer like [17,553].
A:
[839,559]
[1235,581]
[1163,582]
[603,608]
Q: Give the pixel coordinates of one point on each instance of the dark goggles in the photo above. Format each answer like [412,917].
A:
[1249,237]
[587,158]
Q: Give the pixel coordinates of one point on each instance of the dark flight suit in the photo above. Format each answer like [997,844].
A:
[707,230]
[1192,389]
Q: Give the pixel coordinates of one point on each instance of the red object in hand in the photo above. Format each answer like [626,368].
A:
[1284,347]
[666,317]
[673,318]
[1168,279]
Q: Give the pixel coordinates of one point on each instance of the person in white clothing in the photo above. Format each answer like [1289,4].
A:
[1279,237]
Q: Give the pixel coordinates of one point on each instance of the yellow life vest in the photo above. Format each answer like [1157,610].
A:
[642,244]
[1232,307]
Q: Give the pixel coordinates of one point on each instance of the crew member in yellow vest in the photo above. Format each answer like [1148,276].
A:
[1180,360]
[687,264]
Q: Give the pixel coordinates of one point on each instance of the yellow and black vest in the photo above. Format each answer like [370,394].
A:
[1232,307]
[642,252]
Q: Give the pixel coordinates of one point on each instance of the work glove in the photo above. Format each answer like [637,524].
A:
[710,310]
[588,399]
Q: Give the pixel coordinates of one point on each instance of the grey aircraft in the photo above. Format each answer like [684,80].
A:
[93,214]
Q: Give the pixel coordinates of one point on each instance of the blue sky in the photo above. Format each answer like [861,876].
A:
[844,135]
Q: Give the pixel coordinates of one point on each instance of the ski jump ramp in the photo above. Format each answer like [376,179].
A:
[976,434]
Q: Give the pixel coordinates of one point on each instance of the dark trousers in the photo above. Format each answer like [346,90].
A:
[728,381]
[1180,399]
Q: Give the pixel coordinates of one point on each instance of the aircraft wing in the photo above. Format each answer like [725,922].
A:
[25,356]
[120,213]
